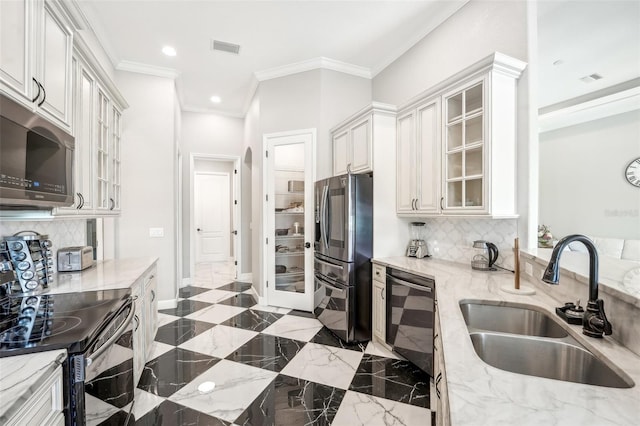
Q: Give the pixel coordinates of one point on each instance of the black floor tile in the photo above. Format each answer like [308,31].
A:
[190,291]
[301,313]
[179,331]
[167,374]
[120,418]
[326,337]
[171,414]
[268,352]
[114,385]
[291,402]
[392,379]
[253,320]
[236,286]
[185,307]
[241,300]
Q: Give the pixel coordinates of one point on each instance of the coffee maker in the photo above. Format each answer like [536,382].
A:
[417,245]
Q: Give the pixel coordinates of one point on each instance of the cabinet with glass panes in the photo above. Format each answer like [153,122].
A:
[289,230]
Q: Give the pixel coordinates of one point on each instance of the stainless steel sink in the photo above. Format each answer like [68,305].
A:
[522,339]
[546,358]
[511,318]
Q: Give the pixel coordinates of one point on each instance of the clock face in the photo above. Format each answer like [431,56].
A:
[633,172]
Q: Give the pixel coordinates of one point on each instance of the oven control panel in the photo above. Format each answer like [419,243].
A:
[26,263]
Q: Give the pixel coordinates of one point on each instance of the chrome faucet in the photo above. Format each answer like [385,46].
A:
[594,322]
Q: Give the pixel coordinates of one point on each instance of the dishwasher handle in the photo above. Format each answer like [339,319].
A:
[410,285]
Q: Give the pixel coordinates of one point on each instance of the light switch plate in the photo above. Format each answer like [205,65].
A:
[156,232]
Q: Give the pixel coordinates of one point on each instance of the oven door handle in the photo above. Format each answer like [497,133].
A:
[411,285]
[329,286]
[115,337]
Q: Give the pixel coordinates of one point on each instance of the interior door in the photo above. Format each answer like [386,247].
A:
[212,216]
[289,219]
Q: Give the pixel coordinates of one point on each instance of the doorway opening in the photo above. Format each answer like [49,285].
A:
[214,215]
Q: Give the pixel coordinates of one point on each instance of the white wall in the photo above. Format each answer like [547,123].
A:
[251,201]
[148,162]
[211,134]
[582,184]
[478,29]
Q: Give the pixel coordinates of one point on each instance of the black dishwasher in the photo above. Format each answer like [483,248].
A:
[410,317]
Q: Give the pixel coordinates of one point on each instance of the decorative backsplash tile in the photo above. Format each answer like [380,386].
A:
[62,233]
[452,238]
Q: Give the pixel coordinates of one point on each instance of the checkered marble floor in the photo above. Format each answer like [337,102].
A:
[268,366]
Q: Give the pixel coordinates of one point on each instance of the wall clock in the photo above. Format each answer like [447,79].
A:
[632,173]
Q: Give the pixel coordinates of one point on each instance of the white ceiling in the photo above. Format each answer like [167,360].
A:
[589,37]
[362,37]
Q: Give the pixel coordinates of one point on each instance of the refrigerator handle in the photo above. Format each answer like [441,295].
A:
[325,216]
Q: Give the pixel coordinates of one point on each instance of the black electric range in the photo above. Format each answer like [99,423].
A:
[42,322]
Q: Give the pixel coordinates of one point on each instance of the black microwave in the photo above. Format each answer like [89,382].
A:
[36,160]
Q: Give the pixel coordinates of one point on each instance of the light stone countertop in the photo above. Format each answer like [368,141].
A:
[105,275]
[480,394]
[21,376]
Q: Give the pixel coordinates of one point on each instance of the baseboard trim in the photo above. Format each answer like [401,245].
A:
[185,282]
[167,304]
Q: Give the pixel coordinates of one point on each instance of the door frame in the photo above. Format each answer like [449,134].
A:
[267,264]
[237,206]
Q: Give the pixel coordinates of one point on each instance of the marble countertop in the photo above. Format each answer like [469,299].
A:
[480,394]
[21,376]
[105,275]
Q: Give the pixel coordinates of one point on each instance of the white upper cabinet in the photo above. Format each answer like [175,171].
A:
[456,144]
[355,138]
[35,58]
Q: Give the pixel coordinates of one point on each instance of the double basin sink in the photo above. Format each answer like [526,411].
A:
[523,339]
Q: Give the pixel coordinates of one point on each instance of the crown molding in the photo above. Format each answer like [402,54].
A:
[140,68]
[605,106]
[213,111]
[251,92]
[313,64]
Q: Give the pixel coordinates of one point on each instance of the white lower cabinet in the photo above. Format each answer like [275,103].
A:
[145,321]
[379,308]
[439,375]
[45,405]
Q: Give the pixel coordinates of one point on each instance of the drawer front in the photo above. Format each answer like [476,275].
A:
[379,272]
[44,405]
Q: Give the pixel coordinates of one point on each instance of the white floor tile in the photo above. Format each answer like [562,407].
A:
[274,309]
[157,349]
[325,364]
[236,386]
[213,296]
[164,319]
[216,314]
[294,327]
[379,350]
[360,409]
[97,411]
[219,341]
[143,403]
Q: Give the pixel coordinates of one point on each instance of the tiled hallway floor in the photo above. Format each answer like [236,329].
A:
[268,366]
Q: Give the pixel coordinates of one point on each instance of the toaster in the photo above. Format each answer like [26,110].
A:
[75,258]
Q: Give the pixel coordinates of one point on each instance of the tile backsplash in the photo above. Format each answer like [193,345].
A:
[62,233]
[452,238]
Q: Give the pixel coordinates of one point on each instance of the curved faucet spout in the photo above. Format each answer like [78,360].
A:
[594,322]
[552,273]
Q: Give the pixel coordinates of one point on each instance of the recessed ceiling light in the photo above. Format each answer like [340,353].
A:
[169,51]
[215,99]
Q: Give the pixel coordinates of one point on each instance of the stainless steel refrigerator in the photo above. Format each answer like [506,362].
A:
[342,259]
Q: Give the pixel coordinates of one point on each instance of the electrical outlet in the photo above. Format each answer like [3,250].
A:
[528,269]
[156,232]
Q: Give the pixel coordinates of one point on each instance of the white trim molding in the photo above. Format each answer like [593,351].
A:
[605,106]
[167,304]
[140,68]
[313,64]
[245,278]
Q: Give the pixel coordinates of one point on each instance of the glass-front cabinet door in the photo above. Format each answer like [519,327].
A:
[464,149]
[289,219]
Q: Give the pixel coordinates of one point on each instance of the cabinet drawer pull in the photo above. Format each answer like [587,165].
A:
[44,98]
[153,295]
[39,90]
[382,293]
[137,323]
[441,201]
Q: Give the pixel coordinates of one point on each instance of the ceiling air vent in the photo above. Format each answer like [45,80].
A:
[223,46]
[591,78]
